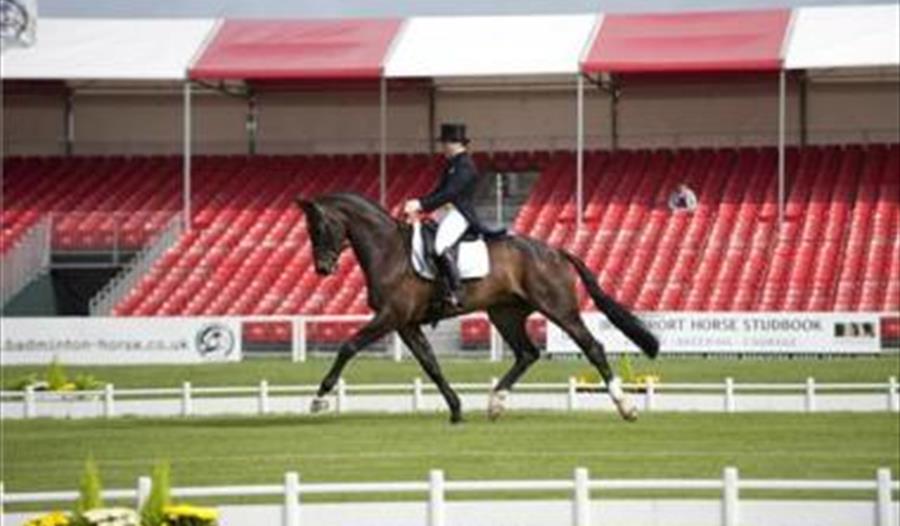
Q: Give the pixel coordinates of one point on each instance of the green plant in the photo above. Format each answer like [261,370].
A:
[626,371]
[90,488]
[87,382]
[153,514]
[56,375]
[22,383]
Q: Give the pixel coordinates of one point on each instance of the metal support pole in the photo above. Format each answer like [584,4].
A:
[499,189]
[252,123]
[186,164]
[382,158]
[613,115]
[432,117]
[782,81]
[803,104]
[579,153]
[69,122]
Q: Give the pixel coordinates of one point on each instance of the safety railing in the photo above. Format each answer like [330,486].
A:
[111,293]
[437,488]
[410,397]
[25,260]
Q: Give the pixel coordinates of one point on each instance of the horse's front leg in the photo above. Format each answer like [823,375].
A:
[414,339]
[368,334]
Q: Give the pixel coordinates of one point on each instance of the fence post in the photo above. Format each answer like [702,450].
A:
[29,402]
[730,496]
[298,349]
[496,349]
[729,395]
[572,395]
[650,394]
[2,499]
[144,486]
[893,394]
[436,498]
[187,406]
[883,503]
[341,404]
[291,499]
[581,503]
[263,397]
[417,394]
[397,348]
[109,408]
[810,395]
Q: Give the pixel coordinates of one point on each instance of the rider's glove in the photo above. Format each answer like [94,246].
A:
[412,206]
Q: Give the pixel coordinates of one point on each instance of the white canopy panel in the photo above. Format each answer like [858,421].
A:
[845,36]
[108,49]
[490,45]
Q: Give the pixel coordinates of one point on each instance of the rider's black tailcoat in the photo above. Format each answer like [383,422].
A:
[457,187]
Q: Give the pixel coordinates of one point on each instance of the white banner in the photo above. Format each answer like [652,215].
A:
[739,332]
[113,340]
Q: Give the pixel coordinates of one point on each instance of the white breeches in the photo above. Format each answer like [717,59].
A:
[451,227]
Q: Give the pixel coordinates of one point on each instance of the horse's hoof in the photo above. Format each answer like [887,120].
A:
[456,418]
[627,410]
[496,404]
[318,405]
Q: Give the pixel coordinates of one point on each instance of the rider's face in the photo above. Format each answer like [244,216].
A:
[451,148]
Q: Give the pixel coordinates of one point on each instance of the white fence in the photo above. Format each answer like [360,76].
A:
[728,397]
[25,260]
[437,487]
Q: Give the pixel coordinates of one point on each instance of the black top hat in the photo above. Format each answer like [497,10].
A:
[453,133]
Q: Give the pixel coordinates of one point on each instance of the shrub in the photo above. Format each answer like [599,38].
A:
[626,371]
[152,514]
[90,488]
[56,375]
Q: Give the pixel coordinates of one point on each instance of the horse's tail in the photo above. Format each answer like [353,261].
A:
[620,316]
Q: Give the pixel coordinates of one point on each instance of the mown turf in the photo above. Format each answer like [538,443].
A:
[49,454]
[363,370]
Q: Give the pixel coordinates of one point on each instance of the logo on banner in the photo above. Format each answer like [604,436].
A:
[215,341]
[17,22]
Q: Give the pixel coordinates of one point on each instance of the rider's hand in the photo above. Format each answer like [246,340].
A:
[412,207]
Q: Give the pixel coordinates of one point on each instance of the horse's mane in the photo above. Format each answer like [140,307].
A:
[359,202]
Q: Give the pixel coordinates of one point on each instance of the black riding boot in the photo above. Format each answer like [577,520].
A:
[451,279]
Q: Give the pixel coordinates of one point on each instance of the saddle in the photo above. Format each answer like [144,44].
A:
[470,253]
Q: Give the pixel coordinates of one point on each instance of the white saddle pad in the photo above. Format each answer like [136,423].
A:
[472,258]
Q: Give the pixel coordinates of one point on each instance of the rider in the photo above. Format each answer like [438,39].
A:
[453,199]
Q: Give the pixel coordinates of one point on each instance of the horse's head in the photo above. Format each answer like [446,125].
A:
[327,233]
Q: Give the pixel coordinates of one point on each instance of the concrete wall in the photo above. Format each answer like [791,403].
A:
[33,124]
[650,114]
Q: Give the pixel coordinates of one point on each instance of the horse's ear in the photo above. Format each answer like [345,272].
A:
[308,207]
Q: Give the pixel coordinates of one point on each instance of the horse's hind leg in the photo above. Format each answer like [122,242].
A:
[510,321]
[595,353]
[414,339]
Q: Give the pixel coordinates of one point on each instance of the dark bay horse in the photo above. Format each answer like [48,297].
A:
[526,276]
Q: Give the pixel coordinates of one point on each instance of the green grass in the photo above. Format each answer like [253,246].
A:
[48,454]
[367,370]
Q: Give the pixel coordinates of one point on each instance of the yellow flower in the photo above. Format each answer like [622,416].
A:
[188,511]
[56,518]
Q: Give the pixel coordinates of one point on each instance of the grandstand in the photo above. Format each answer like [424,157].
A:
[248,251]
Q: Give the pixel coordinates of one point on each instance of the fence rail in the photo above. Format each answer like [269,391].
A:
[25,260]
[344,394]
[438,486]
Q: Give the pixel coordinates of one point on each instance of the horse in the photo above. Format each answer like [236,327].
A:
[525,276]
